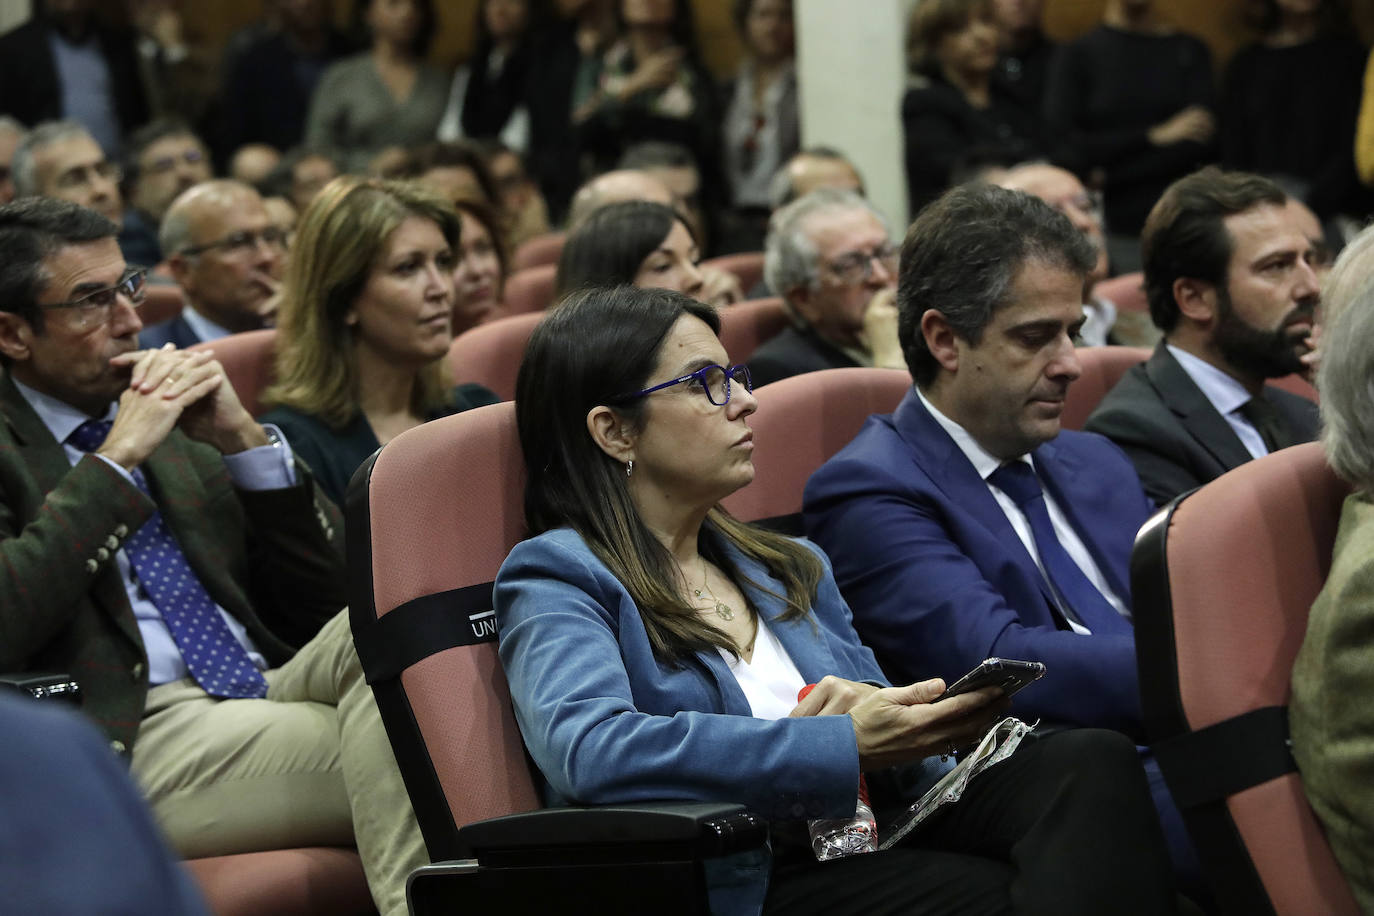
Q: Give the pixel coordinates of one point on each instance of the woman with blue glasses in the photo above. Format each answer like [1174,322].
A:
[655,647]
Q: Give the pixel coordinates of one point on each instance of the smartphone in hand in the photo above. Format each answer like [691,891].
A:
[1009,674]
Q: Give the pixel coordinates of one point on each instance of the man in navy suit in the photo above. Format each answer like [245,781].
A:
[966,524]
[227,256]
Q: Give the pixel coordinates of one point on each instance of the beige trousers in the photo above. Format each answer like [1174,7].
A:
[310,765]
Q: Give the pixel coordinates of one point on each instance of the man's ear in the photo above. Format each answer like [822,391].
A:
[800,298]
[180,268]
[940,340]
[1196,300]
[611,433]
[16,337]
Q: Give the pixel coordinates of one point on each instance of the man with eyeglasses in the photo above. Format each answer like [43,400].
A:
[829,256]
[967,524]
[174,557]
[60,159]
[163,159]
[227,255]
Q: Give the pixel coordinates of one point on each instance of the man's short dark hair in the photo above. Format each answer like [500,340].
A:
[1185,235]
[146,136]
[31,229]
[962,254]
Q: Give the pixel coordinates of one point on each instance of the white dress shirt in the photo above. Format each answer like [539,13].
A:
[770,680]
[266,468]
[1227,395]
[985,464]
[205,328]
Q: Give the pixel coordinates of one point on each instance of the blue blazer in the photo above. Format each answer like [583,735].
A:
[608,723]
[176,331]
[939,580]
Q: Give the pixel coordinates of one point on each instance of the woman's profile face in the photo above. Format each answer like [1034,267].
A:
[477,278]
[686,446]
[404,310]
[673,264]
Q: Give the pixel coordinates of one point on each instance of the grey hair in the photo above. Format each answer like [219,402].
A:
[11,125]
[1346,373]
[23,169]
[790,256]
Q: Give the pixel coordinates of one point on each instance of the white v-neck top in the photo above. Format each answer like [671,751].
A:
[769,680]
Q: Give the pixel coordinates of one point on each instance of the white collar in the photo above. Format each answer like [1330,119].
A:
[1225,393]
[983,461]
[59,417]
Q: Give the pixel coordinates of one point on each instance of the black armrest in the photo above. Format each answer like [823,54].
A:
[694,829]
[623,859]
[43,686]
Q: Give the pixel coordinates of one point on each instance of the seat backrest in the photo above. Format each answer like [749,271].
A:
[1296,384]
[249,359]
[490,354]
[1102,369]
[747,266]
[161,302]
[745,326]
[430,518]
[1222,584]
[530,290]
[538,251]
[801,422]
[1126,292]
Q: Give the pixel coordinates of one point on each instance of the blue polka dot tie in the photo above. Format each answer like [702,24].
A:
[217,660]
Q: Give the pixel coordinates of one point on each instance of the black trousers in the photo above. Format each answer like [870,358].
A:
[1063,826]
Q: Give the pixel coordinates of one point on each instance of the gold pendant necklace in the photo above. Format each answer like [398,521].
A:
[723,610]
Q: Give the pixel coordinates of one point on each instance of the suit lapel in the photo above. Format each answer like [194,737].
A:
[47,462]
[949,469]
[1181,395]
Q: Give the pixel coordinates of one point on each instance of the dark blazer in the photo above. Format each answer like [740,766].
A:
[944,134]
[792,352]
[273,558]
[938,580]
[29,89]
[176,331]
[1173,434]
[334,454]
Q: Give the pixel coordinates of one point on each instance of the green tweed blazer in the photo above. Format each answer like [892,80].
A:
[1331,714]
[273,559]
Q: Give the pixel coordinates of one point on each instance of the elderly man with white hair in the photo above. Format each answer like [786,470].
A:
[829,255]
[1330,716]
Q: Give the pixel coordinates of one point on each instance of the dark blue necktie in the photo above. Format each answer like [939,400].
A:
[1081,601]
[217,660]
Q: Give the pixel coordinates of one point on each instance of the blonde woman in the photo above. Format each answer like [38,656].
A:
[365,325]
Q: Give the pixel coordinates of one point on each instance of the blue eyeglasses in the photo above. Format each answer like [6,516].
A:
[713,381]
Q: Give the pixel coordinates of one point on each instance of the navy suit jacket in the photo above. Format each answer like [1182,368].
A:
[938,580]
[176,331]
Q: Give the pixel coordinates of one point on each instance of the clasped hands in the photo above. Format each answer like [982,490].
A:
[170,388]
[895,725]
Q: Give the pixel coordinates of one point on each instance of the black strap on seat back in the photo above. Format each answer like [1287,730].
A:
[1212,763]
[425,626]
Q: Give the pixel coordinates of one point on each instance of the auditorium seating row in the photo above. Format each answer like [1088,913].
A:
[1223,577]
